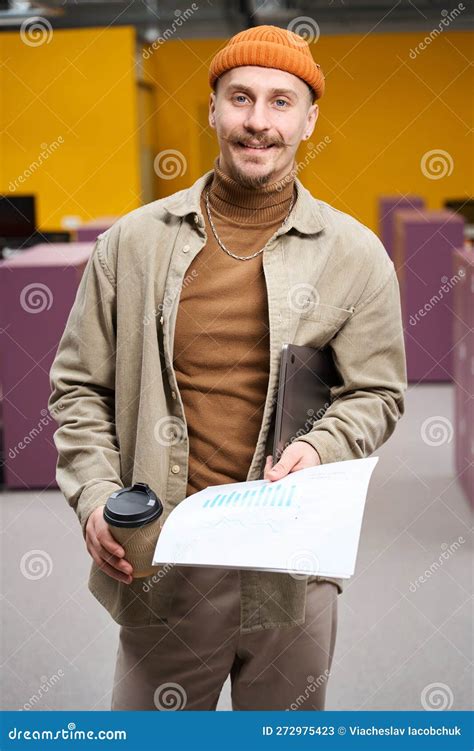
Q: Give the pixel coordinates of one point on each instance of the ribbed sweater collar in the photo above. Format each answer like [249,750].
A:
[262,205]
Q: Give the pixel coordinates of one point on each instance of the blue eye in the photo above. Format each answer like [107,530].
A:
[283,101]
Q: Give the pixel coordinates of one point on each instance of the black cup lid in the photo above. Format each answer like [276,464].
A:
[133,506]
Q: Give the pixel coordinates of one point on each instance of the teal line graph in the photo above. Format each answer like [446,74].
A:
[266,495]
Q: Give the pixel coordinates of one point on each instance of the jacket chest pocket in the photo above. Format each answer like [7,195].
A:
[319,324]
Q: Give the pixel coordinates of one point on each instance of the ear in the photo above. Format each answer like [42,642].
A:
[311,119]
[212,110]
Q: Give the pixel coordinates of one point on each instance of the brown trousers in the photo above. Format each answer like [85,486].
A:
[183,664]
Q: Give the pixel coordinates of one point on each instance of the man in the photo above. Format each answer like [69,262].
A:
[167,374]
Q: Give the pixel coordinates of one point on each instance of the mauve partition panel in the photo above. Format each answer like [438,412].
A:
[463,368]
[89,231]
[387,207]
[37,290]
[423,256]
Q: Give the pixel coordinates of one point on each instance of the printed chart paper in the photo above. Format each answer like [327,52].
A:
[307,523]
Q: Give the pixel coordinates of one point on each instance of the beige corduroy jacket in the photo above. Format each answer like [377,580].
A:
[329,280]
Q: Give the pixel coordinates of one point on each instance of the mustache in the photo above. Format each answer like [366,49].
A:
[260,140]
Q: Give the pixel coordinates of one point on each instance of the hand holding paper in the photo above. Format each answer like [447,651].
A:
[298,455]
[308,522]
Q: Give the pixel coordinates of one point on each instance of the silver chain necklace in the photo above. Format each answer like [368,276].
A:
[240,258]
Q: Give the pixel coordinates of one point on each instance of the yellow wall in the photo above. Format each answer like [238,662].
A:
[382,111]
[78,87]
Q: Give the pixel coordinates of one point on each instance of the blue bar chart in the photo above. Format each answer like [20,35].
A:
[266,495]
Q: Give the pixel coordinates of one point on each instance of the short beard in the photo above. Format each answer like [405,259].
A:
[248,181]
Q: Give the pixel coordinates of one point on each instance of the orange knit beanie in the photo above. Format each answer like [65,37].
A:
[269,47]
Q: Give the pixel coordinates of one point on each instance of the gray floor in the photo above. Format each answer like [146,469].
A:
[396,648]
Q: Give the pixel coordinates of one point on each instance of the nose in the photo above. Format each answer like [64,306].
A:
[257,119]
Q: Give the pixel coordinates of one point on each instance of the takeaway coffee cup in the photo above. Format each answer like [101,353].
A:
[134,518]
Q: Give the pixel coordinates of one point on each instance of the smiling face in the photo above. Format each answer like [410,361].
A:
[260,116]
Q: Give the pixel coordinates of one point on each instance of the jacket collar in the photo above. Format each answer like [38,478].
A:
[305,216]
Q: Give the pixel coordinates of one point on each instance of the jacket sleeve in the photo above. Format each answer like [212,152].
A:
[369,353]
[82,401]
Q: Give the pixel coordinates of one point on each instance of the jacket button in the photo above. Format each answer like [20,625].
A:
[185,248]
[173,394]
[175,469]
[161,320]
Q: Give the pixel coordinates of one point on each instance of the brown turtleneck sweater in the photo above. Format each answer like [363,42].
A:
[221,344]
